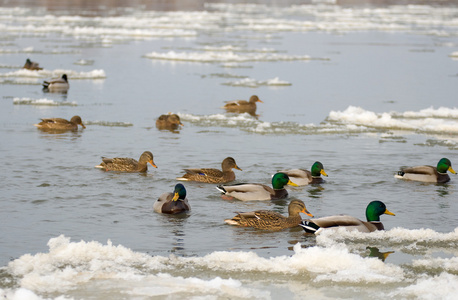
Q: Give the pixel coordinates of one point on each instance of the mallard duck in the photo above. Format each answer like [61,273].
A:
[173,203]
[169,122]
[242,106]
[126,164]
[209,175]
[257,191]
[428,173]
[271,220]
[305,177]
[57,85]
[31,65]
[373,212]
[60,124]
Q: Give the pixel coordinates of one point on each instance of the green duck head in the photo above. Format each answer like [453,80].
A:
[317,169]
[279,180]
[445,165]
[179,193]
[375,209]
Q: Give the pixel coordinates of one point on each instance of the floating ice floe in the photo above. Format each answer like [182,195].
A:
[73,267]
[430,120]
[223,57]
[441,121]
[84,62]
[42,102]
[323,16]
[109,123]
[253,83]
[24,73]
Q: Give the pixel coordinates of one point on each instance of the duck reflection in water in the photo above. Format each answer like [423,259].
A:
[375,252]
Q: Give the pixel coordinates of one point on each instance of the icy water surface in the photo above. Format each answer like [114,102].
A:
[363,89]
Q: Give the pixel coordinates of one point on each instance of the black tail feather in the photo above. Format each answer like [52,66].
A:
[221,189]
[309,226]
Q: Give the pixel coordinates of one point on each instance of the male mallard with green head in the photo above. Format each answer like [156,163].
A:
[305,177]
[210,175]
[59,85]
[173,203]
[271,220]
[126,164]
[428,173]
[60,124]
[257,191]
[373,212]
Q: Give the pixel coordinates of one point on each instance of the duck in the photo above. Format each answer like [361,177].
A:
[271,220]
[173,203]
[209,175]
[60,124]
[57,85]
[436,174]
[373,212]
[169,122]
[31,65]
[304,177]
[126,164]
[257,191]
[243,106]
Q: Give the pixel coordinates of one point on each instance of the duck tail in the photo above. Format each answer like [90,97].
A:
[309,226]
[221,189]
[399,175]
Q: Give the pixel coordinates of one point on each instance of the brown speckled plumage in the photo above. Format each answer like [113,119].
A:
[60,124]
[270,220]
[168,122]
[242,106]
[126,164]
[209,175]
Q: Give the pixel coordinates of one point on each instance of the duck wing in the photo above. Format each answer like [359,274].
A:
[338,221]
[55,121]
[299,176]
[422,173]
[248,191]
[235,103]
[205,172]
[425,170]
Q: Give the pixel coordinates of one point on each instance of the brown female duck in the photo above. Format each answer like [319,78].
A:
[209,175]
[31,65]
[271,220]
[242,106]
[60,124]
[168,122]
[126,164]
